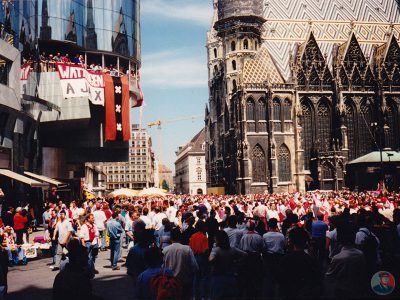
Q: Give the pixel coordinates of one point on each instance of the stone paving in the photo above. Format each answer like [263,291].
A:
[35,280]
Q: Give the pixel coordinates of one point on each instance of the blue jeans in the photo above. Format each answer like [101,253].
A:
[115,250]
[92,251]
[103,239]
[200,286]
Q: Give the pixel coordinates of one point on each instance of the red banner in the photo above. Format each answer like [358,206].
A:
[117,108]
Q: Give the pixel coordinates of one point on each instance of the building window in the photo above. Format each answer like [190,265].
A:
[234,85]
[276,114]
[250,110]
[349,121]
[324,125]
[255,45]
[392,122]
[199,192]
[233,46]
[365,134]
[245,44]
[5,67]
[215,53]
[261,112]
[307,122]
[199,176]
[287,110]
[259,164]
[284,172]
[198,160]
[234,65]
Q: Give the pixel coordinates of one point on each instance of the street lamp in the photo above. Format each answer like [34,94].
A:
[378,126]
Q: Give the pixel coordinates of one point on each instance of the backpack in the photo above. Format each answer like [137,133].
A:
[370,247]
[166,287]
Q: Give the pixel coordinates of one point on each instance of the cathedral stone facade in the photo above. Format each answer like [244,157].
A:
[299,89]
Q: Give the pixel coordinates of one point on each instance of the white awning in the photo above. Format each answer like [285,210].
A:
[44,178]
[22,178]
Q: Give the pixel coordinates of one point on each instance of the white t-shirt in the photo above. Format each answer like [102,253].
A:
[146,220]
[158,220]
[63,228]
[99,219]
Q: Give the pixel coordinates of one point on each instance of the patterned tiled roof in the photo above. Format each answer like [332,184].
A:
[261,69]
[289,22]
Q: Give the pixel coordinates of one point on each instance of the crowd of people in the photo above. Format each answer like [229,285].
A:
[276,246]
[48,63]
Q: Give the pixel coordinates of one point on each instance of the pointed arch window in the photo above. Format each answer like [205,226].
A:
[262,110]
[324,122]
[284,171]
[215,70]
[215,53]
[259,164]
[245,44]
[307,120]
[392,122]
[350,123]
[234,65]
[233,46]
[287,110]
[276,114]
[365,132]
[234,85]
[250,112]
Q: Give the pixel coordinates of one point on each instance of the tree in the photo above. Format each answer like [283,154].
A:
[164,185]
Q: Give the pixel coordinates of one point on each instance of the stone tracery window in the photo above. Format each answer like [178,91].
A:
[284,171]
[259,164]
[392,122]
[307,122]
[287,110]
[233,46]
[276,114]
[350,119]
[250,113]
[365,131]
[324,121]
[261,111]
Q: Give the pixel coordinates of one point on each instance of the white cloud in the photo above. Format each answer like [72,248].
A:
[196,11]
[167,69]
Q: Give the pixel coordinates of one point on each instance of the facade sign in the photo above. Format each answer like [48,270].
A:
[76,81]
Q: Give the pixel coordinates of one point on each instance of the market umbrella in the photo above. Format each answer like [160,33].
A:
[153,192]
[124,192]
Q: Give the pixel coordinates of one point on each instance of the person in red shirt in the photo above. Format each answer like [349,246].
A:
[20,222]
[199,244]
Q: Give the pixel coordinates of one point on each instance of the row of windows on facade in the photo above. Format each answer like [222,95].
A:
[127,178]
[257,110]
[141,143]
[131,168]
[139,152]
[259,164]
[137,186]
[246,45]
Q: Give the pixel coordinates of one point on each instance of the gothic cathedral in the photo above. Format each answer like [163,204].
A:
[297,90]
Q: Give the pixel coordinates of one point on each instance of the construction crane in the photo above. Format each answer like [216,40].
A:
[159,123]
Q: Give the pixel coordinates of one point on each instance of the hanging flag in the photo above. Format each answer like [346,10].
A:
[117,108]
[137,95]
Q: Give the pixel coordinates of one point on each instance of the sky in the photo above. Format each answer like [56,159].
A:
[173,71]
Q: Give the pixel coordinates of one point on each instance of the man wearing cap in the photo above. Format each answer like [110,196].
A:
[384,287]
[64,230]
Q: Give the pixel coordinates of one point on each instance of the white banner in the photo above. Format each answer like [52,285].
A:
[76,81]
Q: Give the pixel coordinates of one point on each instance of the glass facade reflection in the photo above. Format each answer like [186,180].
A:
[104,25]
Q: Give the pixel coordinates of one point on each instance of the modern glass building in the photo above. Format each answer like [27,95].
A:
[108,26]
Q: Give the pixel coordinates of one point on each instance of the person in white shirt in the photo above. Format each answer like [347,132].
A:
[145,218]
[64,230]
[100,220]
[171,211]
[157,221]
[89,236]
